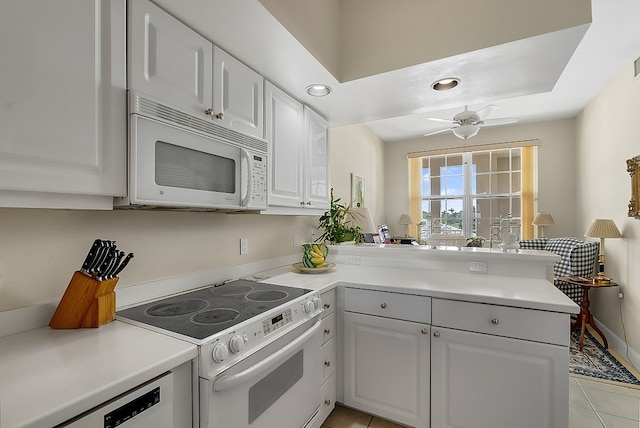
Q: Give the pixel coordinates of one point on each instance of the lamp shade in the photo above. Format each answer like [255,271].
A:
[543,219]
[603,228]
[465,131]
[362,217]
[405,219]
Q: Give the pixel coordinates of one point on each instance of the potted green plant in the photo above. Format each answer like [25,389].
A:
[475,241]
[338,224]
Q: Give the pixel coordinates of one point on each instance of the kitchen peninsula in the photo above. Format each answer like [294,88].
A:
[454,343]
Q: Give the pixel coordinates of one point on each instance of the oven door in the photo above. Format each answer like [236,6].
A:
[277,386]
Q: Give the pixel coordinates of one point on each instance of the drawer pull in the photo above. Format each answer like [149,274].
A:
[327,305]
[424,331]
[495,321]
[383,305]
[327,331]
[327,363]
[436,334]
[327,402]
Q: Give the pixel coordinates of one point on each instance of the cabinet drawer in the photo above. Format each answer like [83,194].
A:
[406,307]
[328,359]
[328,396]
[328,302]
[529,324]
[328,327]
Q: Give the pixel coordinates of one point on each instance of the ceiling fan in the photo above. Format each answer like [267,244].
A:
[467,123]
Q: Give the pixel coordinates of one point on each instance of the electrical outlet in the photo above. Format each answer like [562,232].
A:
[354,260]
[296,240]
[480,267]
[620,295]
[243,246]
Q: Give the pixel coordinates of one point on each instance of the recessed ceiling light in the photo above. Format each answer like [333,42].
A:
[445,84]
[318,90]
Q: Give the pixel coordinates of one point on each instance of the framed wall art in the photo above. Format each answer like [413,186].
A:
[633,167]
[357,190]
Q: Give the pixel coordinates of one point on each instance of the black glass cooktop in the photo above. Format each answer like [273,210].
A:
[207,311]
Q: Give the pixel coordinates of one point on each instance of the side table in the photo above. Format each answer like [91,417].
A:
[584,317]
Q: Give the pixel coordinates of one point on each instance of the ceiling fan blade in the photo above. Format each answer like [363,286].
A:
[437,119]
[498,121]
[486,111]
[439,131]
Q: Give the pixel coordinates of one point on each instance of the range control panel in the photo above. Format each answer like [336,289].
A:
[280,320]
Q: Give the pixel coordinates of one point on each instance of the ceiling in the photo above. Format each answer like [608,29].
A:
[380,63]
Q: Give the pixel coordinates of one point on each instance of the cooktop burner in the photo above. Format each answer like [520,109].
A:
[207,311]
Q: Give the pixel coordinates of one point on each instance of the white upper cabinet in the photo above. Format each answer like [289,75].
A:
[176,66]
[285,135]
[316,170]
[238,95]
[298,141]
[62,102]
[168,61]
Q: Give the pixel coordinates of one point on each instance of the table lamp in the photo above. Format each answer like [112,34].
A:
[406,220]
[602,228]
[542,220]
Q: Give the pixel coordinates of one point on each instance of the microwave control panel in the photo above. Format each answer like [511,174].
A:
[258,181]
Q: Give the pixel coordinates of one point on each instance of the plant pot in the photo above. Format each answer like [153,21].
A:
[346,237]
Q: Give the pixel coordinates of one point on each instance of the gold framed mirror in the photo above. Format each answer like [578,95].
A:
[633,168]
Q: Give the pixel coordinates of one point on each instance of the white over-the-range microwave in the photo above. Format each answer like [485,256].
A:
[177,161]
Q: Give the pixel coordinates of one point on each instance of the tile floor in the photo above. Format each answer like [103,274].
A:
[592,404]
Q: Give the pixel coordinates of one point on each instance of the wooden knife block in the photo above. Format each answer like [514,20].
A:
[86,303]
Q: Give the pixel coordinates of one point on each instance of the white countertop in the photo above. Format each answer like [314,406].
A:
[48,376]
[519,292]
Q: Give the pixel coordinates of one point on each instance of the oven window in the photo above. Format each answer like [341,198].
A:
[264,393]
[192,169]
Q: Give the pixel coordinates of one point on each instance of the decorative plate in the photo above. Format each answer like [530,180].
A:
[324,268]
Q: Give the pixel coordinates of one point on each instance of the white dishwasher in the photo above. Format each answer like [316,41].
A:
[148,406]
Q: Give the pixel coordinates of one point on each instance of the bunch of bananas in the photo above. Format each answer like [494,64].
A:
[314,255]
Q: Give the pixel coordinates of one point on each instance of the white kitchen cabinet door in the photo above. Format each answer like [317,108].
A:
[285,135]
[238,95]
[62,99]
[386,368]
[169,61]
[483,381]
[316,166]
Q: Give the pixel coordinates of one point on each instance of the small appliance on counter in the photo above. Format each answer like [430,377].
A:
[90,300]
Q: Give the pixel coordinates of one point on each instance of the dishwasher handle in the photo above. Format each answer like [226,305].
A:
[231,381]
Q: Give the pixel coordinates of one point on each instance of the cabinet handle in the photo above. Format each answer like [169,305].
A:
[383,305]
[327,305]
[495,321]
[327,363]
[209,112]
[220,116]
[327,331]
[436,334]
[327,402]
[308,202]
[302,203]
[424,331]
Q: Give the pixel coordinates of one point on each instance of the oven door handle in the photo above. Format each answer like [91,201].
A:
[230,381]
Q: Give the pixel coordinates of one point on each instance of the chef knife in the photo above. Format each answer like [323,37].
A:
[107,264]
[123,264]
[101,252]
[91,255]
[112,268]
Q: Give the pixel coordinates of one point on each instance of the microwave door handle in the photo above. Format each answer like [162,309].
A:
[231,381]
[245,156]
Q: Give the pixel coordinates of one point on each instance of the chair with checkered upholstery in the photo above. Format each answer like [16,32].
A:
[577,258]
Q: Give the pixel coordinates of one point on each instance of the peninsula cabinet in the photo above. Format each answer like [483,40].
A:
[498,366]
[386,355]
[62,103]
[176,66]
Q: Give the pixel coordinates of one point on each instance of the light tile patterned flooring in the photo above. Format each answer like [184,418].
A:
[592,404]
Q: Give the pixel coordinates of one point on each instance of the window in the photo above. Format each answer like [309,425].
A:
[468,192]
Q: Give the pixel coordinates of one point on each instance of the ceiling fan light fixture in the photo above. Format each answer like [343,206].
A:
[318,90]
[445,84]
[465,131]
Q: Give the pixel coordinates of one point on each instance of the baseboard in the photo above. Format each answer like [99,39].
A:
[620,346]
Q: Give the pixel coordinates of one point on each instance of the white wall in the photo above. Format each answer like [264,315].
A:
[40,249]
[556,181]
[607,134]
[355,149]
